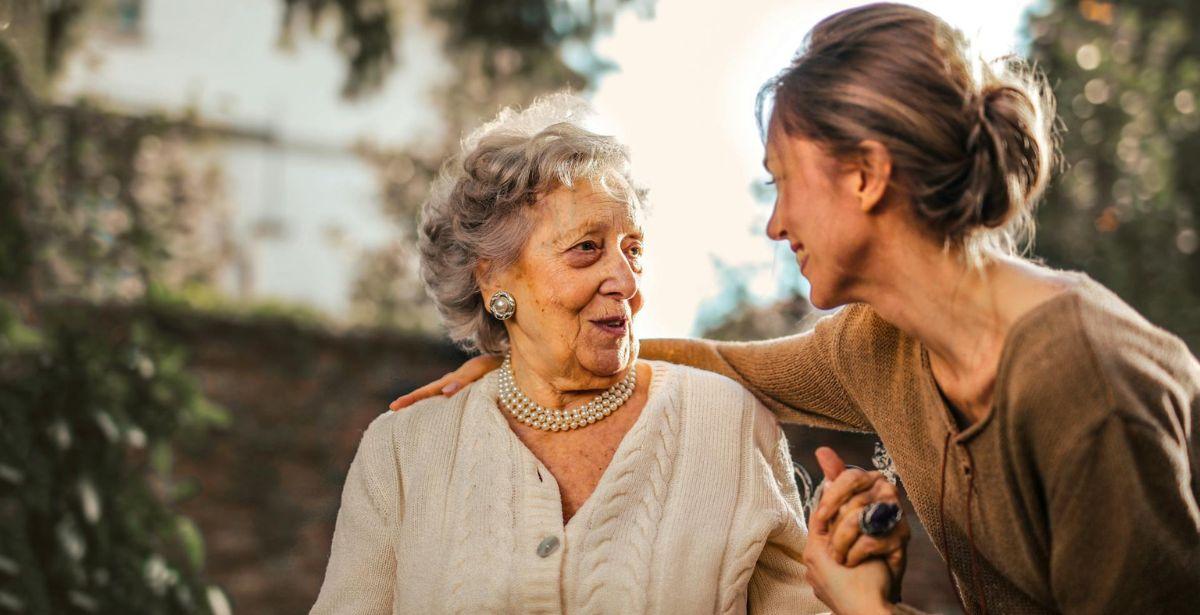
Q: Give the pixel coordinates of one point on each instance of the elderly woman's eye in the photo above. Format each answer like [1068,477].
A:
[635,250]
[587,246]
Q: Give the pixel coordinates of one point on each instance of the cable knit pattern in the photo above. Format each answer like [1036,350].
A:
[641,478]
[692,515]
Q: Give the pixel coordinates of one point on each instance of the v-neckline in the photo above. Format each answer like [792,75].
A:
[651,407]
[963,434]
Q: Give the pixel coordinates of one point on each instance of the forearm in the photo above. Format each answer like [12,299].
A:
[794,376]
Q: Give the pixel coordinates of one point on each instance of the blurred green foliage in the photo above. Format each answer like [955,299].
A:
[86,409]
[1127,207]
[98,208]
[87,418]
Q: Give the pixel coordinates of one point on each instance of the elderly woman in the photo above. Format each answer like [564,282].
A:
[574,478]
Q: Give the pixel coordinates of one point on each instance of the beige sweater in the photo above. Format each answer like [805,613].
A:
[1077,493]
[445,510]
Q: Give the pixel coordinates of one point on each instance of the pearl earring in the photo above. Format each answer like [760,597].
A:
[502,305]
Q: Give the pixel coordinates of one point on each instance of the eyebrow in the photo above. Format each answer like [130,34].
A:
[570,235]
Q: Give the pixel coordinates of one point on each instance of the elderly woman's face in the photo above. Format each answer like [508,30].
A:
[576,284]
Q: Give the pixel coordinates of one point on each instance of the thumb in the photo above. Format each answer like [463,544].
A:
[817,536]
[831,464]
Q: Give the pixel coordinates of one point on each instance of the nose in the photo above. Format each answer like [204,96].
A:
[622,279]
[775,228]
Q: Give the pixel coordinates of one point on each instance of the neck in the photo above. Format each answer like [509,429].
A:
[559,388]
[950,307]
[960,313]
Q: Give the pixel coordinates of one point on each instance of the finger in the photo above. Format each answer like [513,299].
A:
[474,369]
[882,491]
[866,547]
[870,546]
[449,384]
[816,549]
[843,534]
[425,392]
[835,494]
[477,367]
[886,546]
[896,562]
[831,497]
[831,463]
[816,540]
[853,506]
[851,513]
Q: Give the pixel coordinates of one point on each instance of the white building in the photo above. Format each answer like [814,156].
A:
[304,206]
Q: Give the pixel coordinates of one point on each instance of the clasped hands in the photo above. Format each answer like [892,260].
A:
[851,572]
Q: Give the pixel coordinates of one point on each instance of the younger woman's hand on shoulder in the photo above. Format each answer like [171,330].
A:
[451,383]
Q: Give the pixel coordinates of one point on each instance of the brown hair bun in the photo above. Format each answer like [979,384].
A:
[971,142]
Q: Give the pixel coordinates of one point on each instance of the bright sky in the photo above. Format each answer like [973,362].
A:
[682,99]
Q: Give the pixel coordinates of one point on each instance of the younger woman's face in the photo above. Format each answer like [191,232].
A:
[819,214]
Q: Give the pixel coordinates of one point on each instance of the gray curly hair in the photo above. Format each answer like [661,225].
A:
[479,205]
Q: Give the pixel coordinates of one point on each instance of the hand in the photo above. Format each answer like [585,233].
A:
[859,590]
[845,494]
[451,383]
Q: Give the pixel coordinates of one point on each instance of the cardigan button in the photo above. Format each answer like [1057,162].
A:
[547,546]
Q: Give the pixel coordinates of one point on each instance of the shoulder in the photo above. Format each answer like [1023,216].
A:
[866,345]
[709,396]
[432,409]
[697,386]
[431,423]
[1088,350]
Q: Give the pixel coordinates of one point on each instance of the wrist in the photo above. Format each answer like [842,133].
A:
[884,608]
[880,607]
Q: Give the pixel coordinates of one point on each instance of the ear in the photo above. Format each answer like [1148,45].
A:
[874,174]
[484,275]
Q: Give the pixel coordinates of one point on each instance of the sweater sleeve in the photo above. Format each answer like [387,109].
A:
[1124,522]
[796,377]
[777,584]
[361,573]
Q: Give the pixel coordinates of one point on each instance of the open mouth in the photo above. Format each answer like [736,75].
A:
[616,325]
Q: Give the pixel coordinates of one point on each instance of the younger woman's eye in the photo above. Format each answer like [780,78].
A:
[770,182]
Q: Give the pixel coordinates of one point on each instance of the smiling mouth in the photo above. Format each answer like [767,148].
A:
[617,325]
[800,252]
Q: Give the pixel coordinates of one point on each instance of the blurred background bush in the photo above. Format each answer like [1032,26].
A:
[205,298]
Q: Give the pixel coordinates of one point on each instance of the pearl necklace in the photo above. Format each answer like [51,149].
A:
[548,419]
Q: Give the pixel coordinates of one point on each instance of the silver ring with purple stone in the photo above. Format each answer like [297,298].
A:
[879,518]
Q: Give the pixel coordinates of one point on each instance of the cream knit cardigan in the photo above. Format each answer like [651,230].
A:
[444,510]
